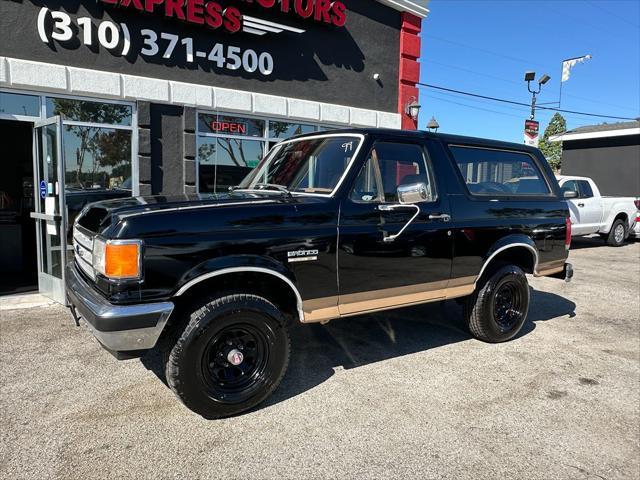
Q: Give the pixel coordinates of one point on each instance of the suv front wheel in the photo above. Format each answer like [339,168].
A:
[498,308]
[230,357]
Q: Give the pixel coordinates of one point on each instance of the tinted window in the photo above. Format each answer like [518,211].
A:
[228,125]
[498,172]
[585,189]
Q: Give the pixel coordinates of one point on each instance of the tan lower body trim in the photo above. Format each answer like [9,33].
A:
[329,308]
[549,268]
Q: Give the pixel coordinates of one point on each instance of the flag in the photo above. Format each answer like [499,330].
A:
[567,65]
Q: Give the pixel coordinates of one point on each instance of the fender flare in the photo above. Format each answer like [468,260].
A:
[238,264]
[505,243]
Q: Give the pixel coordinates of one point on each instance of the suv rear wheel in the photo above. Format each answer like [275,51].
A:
[230,357]
[498,309]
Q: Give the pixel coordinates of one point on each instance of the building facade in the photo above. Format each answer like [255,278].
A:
[608,153]
[109,98]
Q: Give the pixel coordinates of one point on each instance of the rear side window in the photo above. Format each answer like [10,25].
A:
[499,172]
[585,189]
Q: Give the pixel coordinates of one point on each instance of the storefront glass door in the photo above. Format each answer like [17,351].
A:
[49,208]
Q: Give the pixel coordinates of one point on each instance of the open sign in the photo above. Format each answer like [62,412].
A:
[229,127]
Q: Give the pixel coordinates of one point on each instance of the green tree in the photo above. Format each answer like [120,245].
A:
[553,150]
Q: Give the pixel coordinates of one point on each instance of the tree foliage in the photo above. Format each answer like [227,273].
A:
[553,150]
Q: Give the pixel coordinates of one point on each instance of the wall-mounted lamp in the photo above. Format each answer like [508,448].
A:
[412,108]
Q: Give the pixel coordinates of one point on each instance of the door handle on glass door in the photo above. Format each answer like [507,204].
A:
[441,216]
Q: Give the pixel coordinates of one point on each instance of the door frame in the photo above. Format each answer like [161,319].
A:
[48,284]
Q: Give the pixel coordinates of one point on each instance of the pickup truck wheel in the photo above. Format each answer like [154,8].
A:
[230,357]
[617,234]
[498,309]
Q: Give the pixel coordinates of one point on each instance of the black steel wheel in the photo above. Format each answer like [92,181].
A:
[230,357]
[498,309]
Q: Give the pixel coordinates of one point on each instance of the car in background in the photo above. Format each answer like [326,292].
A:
[635,229]
[612,218]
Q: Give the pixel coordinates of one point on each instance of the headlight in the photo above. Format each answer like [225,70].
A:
[118,259]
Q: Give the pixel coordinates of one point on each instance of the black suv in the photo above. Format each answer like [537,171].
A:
[327,226]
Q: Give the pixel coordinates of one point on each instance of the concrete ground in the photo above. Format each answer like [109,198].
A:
[403,394]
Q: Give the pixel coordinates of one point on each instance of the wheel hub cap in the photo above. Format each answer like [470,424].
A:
[619,233]
[235,357]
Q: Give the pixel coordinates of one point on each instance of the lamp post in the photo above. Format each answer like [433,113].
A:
[530,77]
[433,125]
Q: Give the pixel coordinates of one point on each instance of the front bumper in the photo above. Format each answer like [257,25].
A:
[119,328]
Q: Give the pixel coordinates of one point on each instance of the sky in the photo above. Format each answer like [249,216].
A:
[485,47]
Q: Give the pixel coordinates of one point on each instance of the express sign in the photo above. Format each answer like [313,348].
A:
[215,16]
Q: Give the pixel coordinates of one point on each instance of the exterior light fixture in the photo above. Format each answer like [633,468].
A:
[544,79]
[529,76]
[433,125]
[413,108]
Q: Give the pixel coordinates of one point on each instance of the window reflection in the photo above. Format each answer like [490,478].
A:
[16,104]
[97,158]
[224,162]
[285,130]
[91,112]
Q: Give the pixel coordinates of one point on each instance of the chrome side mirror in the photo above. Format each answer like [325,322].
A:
[570,194]
[414,193]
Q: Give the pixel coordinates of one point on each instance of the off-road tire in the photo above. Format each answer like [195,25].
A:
[611,238]
[480,311]
[185,355]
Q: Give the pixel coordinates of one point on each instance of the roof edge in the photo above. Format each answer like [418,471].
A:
[587,135]
[416,7]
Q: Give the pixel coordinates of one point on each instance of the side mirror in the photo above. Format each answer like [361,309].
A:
[570,194]
[414,193]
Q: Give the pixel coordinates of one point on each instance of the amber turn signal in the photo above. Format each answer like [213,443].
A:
[121,260]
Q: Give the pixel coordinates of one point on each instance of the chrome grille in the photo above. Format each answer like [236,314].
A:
[83,250]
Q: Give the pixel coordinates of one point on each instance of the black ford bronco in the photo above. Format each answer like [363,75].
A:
[326,226]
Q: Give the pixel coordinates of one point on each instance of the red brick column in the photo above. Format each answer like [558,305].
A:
[409,66]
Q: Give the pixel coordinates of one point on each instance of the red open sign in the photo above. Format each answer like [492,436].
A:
[229,127]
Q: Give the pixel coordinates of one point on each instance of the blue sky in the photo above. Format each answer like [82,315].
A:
[485,46]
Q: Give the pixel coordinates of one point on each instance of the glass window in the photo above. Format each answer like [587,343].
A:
[313,165]
[228,125]
[285,130]
[97,158]
[90,112]
[498,172]
[392,165]
[585,189]
[570,186]
[16,104]
[224,162]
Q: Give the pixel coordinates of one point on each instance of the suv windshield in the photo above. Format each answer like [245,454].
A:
[308,165]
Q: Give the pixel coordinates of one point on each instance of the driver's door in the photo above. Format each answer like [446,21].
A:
[378,268]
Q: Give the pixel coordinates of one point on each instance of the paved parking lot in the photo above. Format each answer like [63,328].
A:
[403,394]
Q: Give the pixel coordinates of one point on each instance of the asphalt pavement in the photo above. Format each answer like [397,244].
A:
[403,394]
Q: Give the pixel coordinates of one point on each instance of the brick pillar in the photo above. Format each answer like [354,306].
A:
[189,152]
[409,66]
[144,148]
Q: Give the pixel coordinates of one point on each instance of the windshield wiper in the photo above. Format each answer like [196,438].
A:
[259,187]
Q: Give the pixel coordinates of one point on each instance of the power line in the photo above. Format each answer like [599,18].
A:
[595,5]
[502,79]
[513,102]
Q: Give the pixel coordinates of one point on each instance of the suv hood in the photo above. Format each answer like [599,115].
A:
[99,216]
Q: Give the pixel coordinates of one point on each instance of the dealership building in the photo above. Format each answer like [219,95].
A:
[111,98]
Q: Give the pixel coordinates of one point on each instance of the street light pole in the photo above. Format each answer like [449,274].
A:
[529,77]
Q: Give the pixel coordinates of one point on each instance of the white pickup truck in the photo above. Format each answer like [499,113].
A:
[611,217]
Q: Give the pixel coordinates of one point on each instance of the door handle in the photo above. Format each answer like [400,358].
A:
[581,204]
[389,208]
[440,216]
